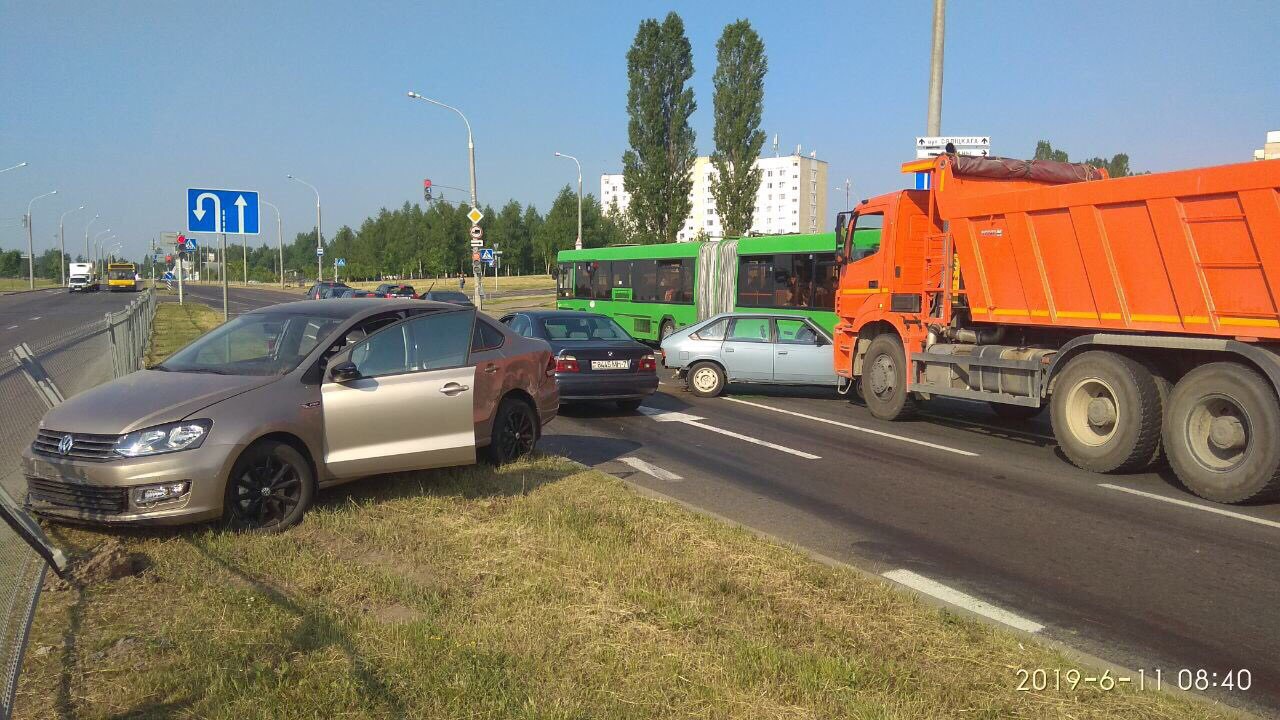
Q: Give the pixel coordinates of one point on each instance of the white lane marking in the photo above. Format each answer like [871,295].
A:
[37,317]
[692,420]
[920,583]
[651,469]
[987,426]
[757,441]
[1197,506]
[869,431]
[11,327]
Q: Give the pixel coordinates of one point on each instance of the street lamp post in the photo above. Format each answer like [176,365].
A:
[848,185]
[279,239]
[96,258]
[62,243]
[319,233]
[87,256]
[31,255]
[934,124]
[577,245]
[471,161]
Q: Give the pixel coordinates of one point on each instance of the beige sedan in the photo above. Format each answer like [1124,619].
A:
[250,420]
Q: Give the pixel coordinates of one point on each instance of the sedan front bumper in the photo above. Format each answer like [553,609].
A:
[102,492]
[602,386]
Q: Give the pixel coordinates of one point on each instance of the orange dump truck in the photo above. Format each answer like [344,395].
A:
[1144,311]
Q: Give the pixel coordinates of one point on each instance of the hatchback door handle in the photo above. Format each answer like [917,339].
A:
[782,352]
[491,368]
[728,349]
[453,388]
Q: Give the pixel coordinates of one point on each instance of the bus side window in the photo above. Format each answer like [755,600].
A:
[582,281]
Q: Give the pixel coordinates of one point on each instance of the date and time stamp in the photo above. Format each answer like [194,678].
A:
[1190,679]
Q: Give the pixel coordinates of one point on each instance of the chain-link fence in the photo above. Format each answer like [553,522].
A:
[34,378]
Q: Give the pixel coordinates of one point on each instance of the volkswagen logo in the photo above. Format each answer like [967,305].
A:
[64,445]
[610,353]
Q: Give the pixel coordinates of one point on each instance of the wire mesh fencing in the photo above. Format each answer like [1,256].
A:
[32,380]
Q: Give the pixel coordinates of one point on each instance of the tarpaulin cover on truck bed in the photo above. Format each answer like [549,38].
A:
[1008,168]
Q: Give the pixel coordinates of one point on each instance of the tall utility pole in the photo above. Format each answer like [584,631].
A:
[320,233]
[62,242]
[847,186]
[935,69]
[31,255]
[475,205]
[577,244]
[87,256]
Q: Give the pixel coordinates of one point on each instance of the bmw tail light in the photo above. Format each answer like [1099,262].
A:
[566,363]
[648,363]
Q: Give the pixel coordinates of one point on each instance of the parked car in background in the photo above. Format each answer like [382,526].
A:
[449,296]
[395,290]
[353,293]
[750,348]
[248,421]
[596,360]
[325,290]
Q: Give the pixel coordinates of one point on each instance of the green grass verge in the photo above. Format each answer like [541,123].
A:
[14,284]
[176,325]
[538,590]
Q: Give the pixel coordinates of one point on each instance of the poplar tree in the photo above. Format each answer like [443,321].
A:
[656,168]
[739,105]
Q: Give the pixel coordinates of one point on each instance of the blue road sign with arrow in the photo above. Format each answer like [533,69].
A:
[486,255]
[222,211]
[190,245]
[340,262]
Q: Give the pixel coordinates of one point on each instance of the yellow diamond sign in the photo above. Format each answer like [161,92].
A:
[475,216]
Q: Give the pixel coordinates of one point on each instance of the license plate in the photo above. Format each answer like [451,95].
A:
[610,364]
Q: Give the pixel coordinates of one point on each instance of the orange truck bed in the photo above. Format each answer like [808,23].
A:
[1194,251]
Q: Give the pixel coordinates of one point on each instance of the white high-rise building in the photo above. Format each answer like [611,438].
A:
[792,197]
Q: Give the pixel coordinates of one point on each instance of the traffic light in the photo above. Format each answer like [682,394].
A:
[426,190]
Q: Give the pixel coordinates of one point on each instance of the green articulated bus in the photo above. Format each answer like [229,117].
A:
[652,290]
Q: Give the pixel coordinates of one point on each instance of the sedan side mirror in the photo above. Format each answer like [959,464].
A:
[344,371]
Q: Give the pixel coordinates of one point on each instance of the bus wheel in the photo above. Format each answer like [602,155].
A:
[1219,433]
[666,329]
[1106,410]
[884,379]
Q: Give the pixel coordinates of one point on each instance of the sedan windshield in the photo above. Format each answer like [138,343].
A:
[590,327]
[266,343]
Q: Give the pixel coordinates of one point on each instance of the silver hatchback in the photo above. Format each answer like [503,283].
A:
[751,348]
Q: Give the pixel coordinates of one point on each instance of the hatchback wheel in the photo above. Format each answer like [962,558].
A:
[515,432]
[270,489]
[706,380]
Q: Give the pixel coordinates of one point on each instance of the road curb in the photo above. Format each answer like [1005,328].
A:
[1068,651]
[24,292]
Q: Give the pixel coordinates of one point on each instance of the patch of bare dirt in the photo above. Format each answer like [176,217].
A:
[107,562]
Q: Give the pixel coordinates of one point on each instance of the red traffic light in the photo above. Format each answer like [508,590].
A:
[426,183]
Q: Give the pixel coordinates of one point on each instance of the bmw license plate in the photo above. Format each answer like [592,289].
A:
[610,364]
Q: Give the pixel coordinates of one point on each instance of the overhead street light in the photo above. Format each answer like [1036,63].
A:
[577,244]
[15,167]
[62,243]
[87,255]
[319,233]
[471,160]
[96,258]
[31,255]
[279,239]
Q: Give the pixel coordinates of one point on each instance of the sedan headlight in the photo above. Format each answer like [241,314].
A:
[167,438]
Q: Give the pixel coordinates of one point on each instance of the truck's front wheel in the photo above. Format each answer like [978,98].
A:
[1106,410]
[1219,433]
[884,379]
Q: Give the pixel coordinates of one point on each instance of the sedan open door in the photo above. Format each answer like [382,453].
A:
[403,398]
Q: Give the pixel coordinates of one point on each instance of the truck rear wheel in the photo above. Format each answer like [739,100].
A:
[1106,411]
[1219,433]
[884,379]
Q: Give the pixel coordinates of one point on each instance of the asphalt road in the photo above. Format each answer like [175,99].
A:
[33,316]
[983,507]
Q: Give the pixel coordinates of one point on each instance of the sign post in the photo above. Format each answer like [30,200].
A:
[222,212]
[477,233]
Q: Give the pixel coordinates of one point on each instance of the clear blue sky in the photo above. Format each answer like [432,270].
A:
[122,105]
